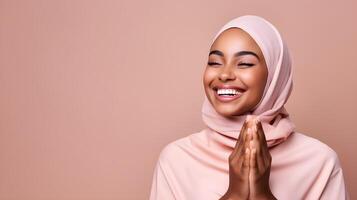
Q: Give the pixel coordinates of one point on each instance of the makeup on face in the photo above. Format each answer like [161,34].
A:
[237,54]
[228,93]
[234,66]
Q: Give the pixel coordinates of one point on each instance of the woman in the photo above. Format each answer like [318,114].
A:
[249,149]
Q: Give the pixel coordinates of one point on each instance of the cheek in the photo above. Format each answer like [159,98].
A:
[208,76]
[249,78]
[254,79]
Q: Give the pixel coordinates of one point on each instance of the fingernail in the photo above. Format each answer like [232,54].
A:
[254,128]
[255,120]
[246,150]
[254,150]
[250,131]
[249,117]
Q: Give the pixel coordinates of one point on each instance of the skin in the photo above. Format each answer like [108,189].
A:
[249,165]
[250,161]
[231,70]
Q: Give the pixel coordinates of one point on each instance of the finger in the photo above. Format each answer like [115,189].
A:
[255,144]
[240,154]
[264,146]
[258,129]
[261,132]
[253,166]
[240,145]
[245,165]
[241,135]
[240,150]
[255,141]
[242,129]
[267,159]
[266,156]
[261,160]
[261,135]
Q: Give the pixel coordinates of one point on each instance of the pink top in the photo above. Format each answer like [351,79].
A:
[196,167]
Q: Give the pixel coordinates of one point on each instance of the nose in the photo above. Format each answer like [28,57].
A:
[226,73]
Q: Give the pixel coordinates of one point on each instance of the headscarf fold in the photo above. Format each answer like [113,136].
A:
[270,110]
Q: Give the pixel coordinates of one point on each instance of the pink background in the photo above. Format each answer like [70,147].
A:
[91,91]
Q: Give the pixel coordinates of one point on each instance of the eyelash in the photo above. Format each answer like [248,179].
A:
[215,63]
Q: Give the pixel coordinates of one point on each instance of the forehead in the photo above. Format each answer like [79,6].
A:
[234,39]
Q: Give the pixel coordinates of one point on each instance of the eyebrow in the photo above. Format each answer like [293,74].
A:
[239,53]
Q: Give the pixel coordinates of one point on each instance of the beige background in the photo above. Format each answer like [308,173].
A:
[91,91]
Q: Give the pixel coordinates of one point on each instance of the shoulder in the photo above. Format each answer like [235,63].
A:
[173,149]
[315,144]
[315,149]
[181,149]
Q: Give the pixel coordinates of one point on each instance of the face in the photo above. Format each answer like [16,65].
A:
[236,73]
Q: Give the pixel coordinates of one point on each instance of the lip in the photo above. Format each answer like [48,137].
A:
[216,87]
[226,99]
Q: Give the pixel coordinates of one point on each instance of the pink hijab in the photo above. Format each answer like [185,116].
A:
[277,89]
[196,167]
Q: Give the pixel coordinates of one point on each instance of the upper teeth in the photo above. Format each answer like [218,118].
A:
[227,91]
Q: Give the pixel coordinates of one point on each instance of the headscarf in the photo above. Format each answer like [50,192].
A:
[270,110]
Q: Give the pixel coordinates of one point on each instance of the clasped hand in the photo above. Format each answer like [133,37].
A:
[249,164]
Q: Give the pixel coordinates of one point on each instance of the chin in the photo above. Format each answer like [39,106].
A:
[228,110]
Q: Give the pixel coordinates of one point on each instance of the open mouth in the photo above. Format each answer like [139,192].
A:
[227,95]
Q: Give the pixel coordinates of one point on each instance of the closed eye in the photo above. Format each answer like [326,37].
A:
[213,63]
[248,64]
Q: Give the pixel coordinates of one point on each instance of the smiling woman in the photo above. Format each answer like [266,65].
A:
[236,73]
[249,149]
